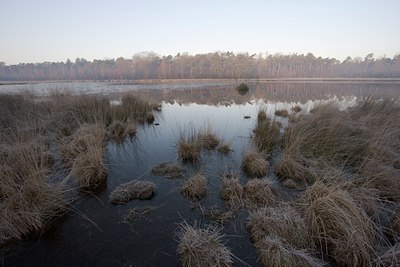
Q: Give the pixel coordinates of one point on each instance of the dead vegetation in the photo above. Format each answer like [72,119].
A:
[338,226]
[208,140]
[169,169]
[258,193]
[266,133]
[124,193]
[139,212]
[282,221]
[232,191]
[189,146]
[196,187]
[202,247]
[35,182]
[274,251]
[254,164]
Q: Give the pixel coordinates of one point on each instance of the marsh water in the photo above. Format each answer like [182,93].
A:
[97,233]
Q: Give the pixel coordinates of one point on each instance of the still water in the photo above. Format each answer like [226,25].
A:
[95,233]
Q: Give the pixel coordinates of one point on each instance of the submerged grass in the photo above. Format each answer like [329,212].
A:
[170,169]
[124,193]
[202,247]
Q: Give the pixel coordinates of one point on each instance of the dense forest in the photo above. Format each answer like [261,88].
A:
[218,65]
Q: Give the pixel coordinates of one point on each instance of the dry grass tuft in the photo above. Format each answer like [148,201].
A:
[266,134]
[281,113]
[195,187]
[254,164]
[208,140]
[232,191]
[282,221]
[262,116]
[124,193]
[170,169]
[189,146]
[89,169]
[274,251]
[203,247]
[258,193]
[29,200]
[339,227]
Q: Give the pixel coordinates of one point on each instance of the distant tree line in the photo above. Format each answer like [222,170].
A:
[148,65]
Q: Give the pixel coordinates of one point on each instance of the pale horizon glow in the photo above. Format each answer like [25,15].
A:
[54,31]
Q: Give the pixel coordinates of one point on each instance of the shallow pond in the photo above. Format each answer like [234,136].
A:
[96,233]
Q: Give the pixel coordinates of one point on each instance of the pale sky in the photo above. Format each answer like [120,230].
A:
[55,30]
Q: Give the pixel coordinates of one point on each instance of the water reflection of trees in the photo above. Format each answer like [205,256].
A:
[285,92]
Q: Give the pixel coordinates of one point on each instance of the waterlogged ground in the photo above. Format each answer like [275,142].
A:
[96,233]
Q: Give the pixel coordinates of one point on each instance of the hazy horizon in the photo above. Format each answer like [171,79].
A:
[51,31]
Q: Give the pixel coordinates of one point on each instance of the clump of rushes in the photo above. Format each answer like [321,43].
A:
[262,116]
[258,193]
[124,193]
[266,134]
[85,155]
[202,247]
[195,187]
[189,146]
[208,140]
[29,200]
[274,251]
[232,191]
[170,169]
[89,169]
[282,221]
[281,113]
[117,131]
[339,227]
[254,164]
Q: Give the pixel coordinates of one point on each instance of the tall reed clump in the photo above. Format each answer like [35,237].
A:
[339,227]
[29,200]
[189,146]
[281,237]
[84,152]
[324,138]
[266,133]
[202,247]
